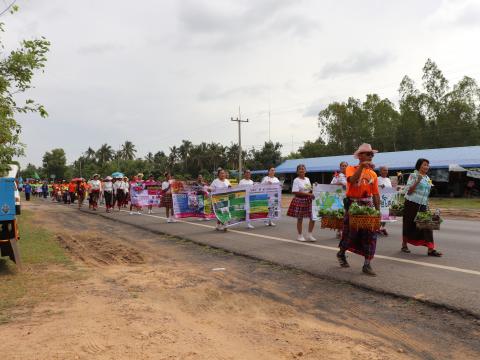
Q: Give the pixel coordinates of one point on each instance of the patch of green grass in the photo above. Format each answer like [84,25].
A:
[44,265]
[455,203]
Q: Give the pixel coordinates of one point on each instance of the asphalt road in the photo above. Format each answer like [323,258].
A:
[453,280]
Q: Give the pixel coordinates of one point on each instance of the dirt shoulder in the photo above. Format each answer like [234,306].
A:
[149,297]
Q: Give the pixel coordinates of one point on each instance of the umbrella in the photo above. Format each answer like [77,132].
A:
[117,175]
[78,179]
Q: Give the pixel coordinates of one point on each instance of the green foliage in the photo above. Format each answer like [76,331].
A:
[432,117]
[356,209]
[17,68]
[427,216]
[55,163]
[339,214]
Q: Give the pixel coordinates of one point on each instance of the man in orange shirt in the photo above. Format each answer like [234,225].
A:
[362,188]
[72,189]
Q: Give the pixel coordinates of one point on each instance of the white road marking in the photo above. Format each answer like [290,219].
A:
[420,263]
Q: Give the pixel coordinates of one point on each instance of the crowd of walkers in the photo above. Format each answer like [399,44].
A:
[360,181]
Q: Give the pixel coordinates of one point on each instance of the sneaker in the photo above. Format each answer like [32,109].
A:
[250,226]
[301,238]
[131,212]
[342,259]
[169,220]
[272,223]
[219,227]
[367,269]
[311,238]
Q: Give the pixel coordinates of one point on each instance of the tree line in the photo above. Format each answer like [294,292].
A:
[186,161]
[436,115]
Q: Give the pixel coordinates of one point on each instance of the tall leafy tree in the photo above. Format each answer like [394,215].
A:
[17,68]
[55,163]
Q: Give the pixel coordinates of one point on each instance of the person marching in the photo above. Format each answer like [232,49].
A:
[384,182]
[339,178]
[28,190]
[150,183]
[120,189]
[72,190]
[247,182]
[362,188]
[108,193]
[81,191]
[138,185]
[270,179]
[221,182]
[416,199]
[95,188]
[45,189]
[301,205]
[167,201]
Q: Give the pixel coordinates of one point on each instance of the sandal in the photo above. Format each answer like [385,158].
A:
[342,259]
[435,253]
[405,250]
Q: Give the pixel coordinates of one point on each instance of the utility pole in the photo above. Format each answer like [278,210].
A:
[239,121]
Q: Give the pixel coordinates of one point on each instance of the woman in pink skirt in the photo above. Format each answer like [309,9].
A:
[301,205]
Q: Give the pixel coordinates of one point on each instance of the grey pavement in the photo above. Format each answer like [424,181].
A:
[452,281]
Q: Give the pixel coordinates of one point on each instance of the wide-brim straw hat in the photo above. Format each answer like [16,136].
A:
[108,178]
[364,148]
[95,175]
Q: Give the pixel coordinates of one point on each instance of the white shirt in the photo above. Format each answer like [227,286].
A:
[270,180]
[301,185]
[218,184]
[95,184]
[385,181]
[340,179]
[120,185]
[108,186]
[245,182]
[166,185]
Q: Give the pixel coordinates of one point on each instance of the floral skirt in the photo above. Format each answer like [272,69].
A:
[359,241]
[300,207]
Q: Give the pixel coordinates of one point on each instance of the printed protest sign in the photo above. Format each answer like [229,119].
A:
[327,197]
[189,201]
[264,202]
[229,206]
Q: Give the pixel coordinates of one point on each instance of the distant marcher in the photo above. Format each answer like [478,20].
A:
[45,189]
[72,190]
[167,200]
[247,182]
[301,205]
[108,193]
[270,179]
[221,182]
[120,190]
[339,178]
[416,199]
[81,192]
[384,182]
[137,185]
[95,188]
[150,183]
[28,191]
[362,188]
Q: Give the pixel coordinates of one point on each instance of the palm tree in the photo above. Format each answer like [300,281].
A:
[104,154]
[90,154]
[184,151]
[128,150]
[149,157]
[173,157]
